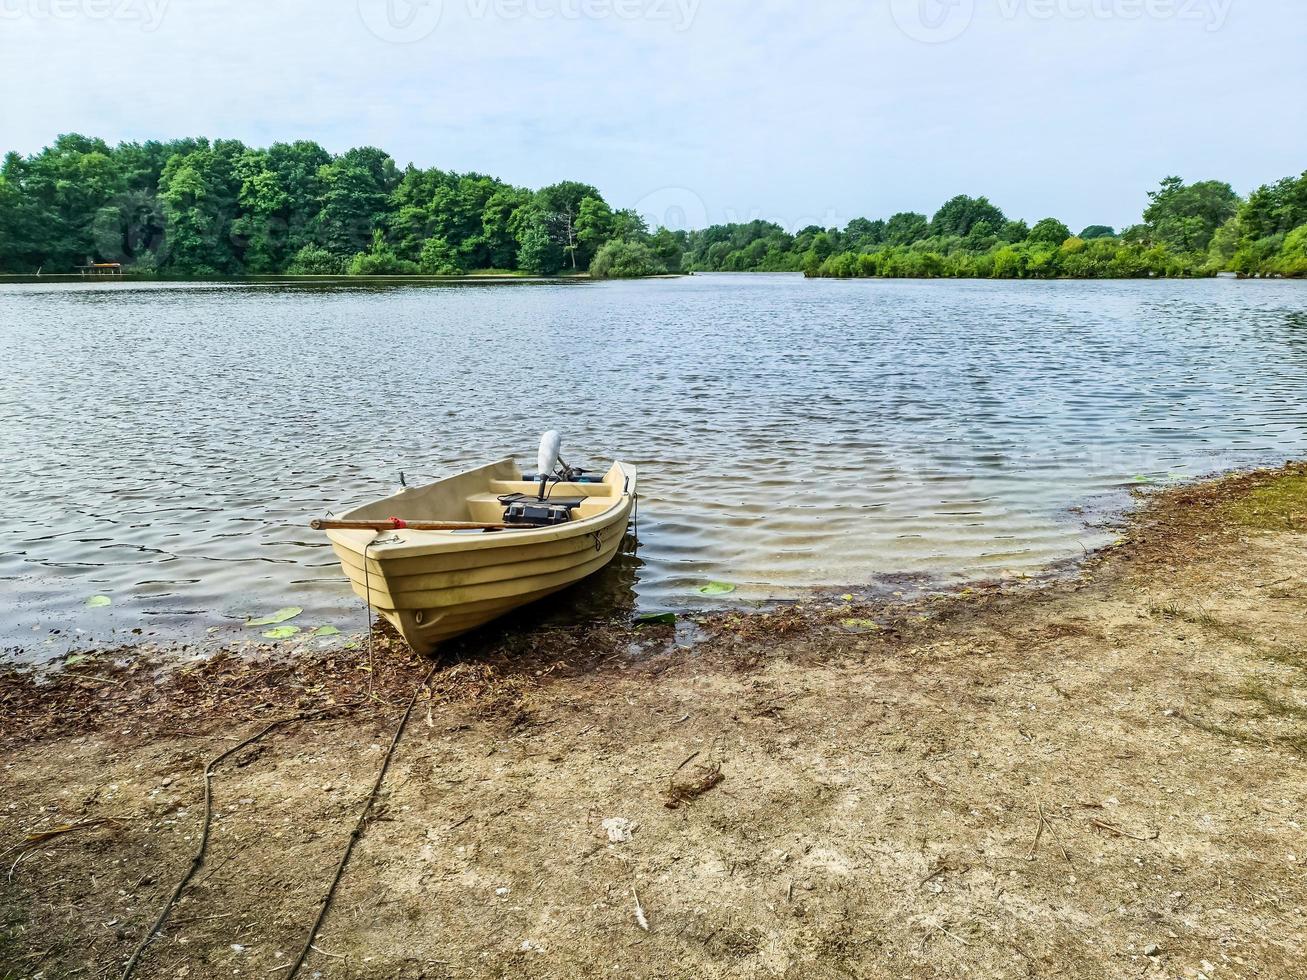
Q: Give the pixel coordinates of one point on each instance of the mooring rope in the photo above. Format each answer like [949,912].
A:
[198,858]
[357,832]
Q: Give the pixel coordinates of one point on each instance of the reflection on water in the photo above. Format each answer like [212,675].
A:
[165,445]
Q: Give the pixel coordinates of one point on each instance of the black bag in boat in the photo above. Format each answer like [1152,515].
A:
[540,513]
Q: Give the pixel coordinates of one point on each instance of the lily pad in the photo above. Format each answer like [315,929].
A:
[325,631]
[98,602]
[281,633]
[651,619]
[718,588]
[280,616]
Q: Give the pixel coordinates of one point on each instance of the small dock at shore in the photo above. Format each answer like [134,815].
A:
[100,269]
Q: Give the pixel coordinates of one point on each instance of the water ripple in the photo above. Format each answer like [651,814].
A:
[165,444]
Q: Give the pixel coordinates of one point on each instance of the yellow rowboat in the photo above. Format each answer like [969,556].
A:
[499,546]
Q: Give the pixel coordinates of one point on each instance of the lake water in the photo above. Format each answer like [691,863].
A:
[165,445]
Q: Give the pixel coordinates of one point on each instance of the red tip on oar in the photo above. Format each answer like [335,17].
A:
[399,524]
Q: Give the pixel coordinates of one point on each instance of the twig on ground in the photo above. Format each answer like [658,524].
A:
[1056,837]
[688,759]
[1044,821]
[1039,832]
[14,867]
[943,868]
[1112,828]
[40,837]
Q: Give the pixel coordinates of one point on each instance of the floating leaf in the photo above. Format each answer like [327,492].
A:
[325,631]
[650,619]
[281,633]
[718,588]
[280,616]
[98,602]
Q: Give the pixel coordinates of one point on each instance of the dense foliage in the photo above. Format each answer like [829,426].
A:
[619,259]
[1188,230]
[197,208]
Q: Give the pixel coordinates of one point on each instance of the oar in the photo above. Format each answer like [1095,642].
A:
[396,524]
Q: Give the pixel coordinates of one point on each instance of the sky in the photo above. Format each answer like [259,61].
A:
[701,111]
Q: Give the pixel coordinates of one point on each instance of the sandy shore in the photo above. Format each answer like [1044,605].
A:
[1101,776]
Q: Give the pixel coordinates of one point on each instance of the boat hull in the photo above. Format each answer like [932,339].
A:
[434,586]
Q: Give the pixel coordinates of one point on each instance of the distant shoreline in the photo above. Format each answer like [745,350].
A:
[127,277]
[523,278]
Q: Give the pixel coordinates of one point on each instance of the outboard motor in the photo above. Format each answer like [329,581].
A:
[551,444]
[520,510]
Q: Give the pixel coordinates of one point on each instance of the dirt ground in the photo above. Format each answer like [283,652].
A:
[1099,776]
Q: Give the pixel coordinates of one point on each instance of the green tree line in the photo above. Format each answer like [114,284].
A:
[1197,229]
[195,208]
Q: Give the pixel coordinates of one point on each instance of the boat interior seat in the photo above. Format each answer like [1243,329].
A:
[489,509]
[531,488]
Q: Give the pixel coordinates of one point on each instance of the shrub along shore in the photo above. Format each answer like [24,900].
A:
[195,208]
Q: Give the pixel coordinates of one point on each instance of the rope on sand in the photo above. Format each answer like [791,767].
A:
[198,858]
[357,832]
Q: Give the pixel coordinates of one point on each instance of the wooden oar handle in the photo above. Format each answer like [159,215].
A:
[397,524]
